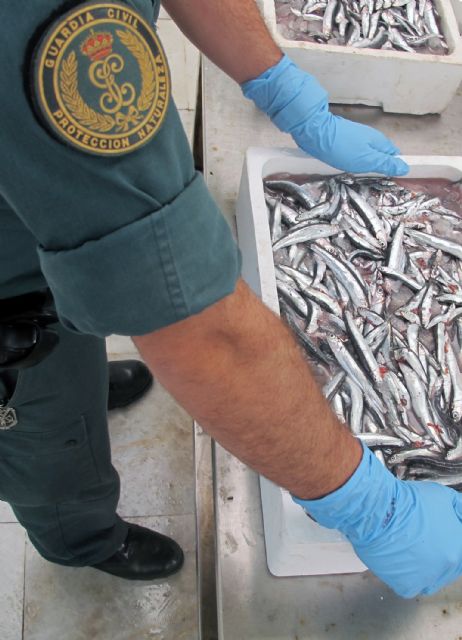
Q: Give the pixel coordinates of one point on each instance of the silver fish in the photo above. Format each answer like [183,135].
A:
[363,349]
[420,404]
[456,380]
[291,189]
[378,318]
[409,454]
[307,234]
[348,364]
[333,385]
[369,216]
[328,17]
[380,440]
[356,293]
[357,406]
[318,296]
[447,246]
[294,298]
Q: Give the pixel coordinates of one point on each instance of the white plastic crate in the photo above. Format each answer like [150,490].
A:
[295,545]
[397,81]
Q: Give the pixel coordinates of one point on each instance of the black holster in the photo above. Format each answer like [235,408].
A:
[26,334]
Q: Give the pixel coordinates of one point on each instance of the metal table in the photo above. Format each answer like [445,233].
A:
[252,604]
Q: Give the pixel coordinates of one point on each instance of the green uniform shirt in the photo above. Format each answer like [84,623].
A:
[127,243]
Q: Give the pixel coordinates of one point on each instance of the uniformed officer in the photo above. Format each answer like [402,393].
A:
[102,206]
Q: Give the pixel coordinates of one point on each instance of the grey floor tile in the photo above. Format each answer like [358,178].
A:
[152,448]
[84,604]
[6,514]
[12,549]
[121,345]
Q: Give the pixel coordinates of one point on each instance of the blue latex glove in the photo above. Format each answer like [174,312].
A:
[408,533]
[297,104]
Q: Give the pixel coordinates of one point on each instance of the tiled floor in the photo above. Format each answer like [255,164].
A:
[83,604]
[152,450]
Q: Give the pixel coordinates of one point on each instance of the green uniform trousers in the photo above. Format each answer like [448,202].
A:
[55,465]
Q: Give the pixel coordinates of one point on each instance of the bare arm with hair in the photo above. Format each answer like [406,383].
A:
[232,34]
[238,371]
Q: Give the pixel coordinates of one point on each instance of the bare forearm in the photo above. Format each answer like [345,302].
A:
[232,34]
[238,371]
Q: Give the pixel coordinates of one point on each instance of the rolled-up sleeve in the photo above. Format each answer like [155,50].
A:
[168,265]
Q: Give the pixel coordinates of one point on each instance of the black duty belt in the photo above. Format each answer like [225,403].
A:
[26,335]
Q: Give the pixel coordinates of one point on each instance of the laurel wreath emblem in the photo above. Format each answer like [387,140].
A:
[83,113]
[148,74]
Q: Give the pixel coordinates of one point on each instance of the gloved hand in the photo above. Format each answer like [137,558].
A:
[297,104]
[408,533]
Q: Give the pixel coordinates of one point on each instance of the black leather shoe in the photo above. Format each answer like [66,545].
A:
[128,381]
[145,555]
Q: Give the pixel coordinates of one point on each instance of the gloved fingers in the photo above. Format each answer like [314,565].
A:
[400,587]
[404,589]
[386,146]
[408,594]
[364,134]
[429,591]
[388,165]
[380,142]
[441,583]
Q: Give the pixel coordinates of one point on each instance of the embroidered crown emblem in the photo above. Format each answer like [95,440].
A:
[97,46]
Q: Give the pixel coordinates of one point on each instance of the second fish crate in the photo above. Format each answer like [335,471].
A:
[396,81]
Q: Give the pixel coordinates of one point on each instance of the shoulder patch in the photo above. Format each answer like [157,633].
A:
[100,79]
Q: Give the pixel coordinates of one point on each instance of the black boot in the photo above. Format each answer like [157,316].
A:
[145,555]
[128,381]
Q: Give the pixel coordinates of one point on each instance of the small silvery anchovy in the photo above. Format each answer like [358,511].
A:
[369,278]
[400,25]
